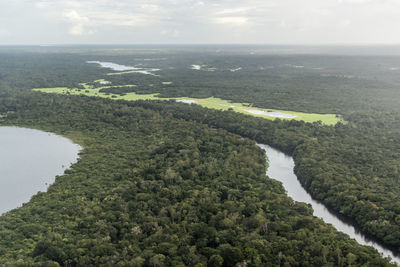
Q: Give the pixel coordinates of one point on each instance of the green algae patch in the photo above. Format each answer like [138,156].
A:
[211,102]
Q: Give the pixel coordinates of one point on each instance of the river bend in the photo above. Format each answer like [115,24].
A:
[281,168]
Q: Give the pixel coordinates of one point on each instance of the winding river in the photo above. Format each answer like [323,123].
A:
[281,168]
[29,162]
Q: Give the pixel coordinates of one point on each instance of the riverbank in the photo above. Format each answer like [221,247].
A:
[281,168]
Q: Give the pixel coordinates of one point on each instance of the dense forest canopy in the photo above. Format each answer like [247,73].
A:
[353,167]
[154,190]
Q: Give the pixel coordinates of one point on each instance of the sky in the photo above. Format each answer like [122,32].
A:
[289,22]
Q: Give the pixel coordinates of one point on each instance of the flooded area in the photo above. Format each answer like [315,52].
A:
[29,162]
[196,67]
[113,66]
[187,101]
[274,114]
[281,168]
[235,70]
[123,68]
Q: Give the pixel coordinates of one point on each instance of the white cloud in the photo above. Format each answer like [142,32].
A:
[3,32]
[149,8]
[253,21]
[355,1]
[42,4]
[230,11]
[232,20]
[74,16]
[78,22]
[346,22]
[172,33]
[76,29]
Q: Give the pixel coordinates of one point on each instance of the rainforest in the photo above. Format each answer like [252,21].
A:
[172,175]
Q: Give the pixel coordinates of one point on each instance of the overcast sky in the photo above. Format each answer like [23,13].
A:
[199,21]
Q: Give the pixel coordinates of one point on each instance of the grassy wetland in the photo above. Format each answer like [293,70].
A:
[210,102]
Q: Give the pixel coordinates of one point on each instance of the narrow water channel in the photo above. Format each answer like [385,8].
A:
[29,162]
[281,168]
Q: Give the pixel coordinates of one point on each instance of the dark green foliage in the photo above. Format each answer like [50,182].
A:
[357,177]
[353,168]
[153,190]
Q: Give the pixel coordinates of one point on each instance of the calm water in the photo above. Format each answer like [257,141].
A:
[29,161]
[113,66]
[118,67]
[275,114]
[281,168]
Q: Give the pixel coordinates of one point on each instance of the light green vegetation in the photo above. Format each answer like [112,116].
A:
[211,102]
[90,91]
[217,103]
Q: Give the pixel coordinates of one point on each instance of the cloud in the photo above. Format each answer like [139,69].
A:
[3,32]
[88,17]
[355,1]
[172,33]
[231,11]
[42,4]
[252,21]
[149,8]
[78,22]
[232,20]
[346,22]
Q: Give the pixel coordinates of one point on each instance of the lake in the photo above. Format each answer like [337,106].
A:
[113,66]
[29,162]
[123,68]
[275,114]
[281,168]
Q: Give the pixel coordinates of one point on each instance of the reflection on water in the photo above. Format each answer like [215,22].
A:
[29,161]
[187,101]
[275,114]
[196,67]
[118,67]
[113,66]
[281,168]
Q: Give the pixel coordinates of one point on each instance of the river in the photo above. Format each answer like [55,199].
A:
[123,68]
[29,162]
[281,168]
[31,159]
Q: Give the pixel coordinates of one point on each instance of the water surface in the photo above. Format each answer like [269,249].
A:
[113,66]
[29,161]
[274,114]
[123,68]
[281,168]
[187,101]
[196,67]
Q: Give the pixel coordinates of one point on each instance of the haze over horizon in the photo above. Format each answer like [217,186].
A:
[285,22]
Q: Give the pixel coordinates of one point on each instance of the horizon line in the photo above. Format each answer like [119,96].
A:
[206,44]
